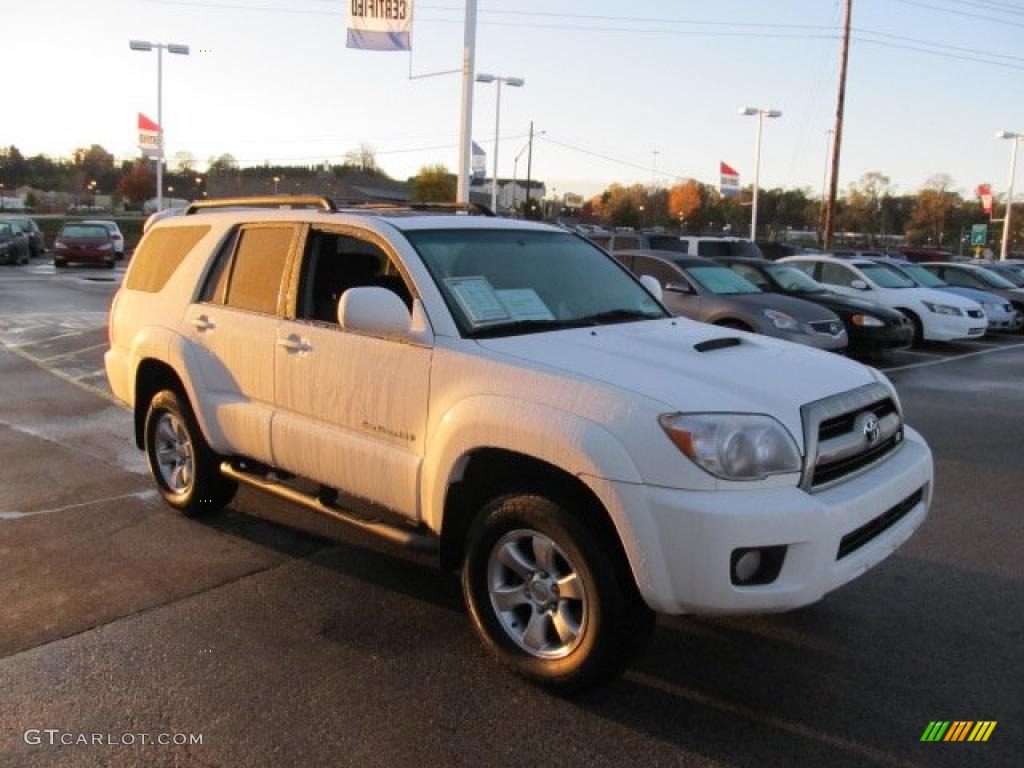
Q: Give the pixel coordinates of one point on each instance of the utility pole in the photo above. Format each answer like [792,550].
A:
[824,183]
[830,211]
[529,169]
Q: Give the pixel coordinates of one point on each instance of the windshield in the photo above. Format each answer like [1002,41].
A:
[886,276]
[666,243]
[1012,273]
[923,276]
[745,248]
[721,280]
[793,280]
[85,231]
[510,281]
[992,279]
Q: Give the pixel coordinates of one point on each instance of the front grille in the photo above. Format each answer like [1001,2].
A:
[975,313]
[854,540]
[829,327]
[829,473]
[845,434]
[840,425]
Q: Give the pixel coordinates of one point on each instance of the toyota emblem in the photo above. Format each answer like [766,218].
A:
[871,428]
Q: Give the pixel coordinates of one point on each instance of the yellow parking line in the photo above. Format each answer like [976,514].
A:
[63,376]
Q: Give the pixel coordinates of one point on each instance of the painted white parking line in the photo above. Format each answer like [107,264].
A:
[140,495]
[953,359]
[73,352]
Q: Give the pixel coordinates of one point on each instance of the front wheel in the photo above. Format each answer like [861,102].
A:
[548,597]
[186,470]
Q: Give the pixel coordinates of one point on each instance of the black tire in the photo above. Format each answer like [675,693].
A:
[108,264]
[59,263]
[613,624]
[207,490]
[918,339]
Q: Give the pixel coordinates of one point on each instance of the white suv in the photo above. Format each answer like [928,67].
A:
[936,315]
[508,395]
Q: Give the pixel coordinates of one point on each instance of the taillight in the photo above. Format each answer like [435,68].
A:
[116,236]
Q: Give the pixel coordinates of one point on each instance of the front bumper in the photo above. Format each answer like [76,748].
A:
[84,256]
[890,336]
[679,543]
[824,341]
[952,328]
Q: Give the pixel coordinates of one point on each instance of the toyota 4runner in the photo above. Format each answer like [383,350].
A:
[509,396]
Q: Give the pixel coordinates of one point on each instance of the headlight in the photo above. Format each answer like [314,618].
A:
[782,320]
[867,321]
[60,245]
[105,247]
[942,309]
[733,446]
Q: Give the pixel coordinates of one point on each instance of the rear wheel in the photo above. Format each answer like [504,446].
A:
[186,470]
[547,596]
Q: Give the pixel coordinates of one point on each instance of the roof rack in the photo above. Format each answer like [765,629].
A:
[474,209]
[265,201]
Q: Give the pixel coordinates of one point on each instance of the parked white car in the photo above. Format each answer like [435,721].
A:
[508,395]
[937,316]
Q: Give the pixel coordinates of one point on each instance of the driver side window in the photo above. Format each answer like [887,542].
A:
[837,274]
[333,263]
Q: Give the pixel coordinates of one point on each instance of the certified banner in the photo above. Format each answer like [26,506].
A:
[380,25]
[149,137]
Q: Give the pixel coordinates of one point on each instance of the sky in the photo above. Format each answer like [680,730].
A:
[608,83]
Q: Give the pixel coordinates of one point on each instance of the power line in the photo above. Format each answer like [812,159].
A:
[609,158]
[966,14]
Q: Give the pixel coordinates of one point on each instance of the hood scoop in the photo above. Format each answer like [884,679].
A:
[723,342]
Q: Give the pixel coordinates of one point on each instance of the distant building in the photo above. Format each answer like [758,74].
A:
[511,193]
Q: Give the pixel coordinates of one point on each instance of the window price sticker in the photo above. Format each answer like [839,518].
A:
[478,300]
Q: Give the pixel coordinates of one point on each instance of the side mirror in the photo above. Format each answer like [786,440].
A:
[652,285]
[860,285]
[679,288]
[374,311]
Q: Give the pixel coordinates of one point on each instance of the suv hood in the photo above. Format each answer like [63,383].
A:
[657,359]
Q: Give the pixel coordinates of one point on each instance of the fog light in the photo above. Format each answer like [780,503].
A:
[756,565]
[747,565]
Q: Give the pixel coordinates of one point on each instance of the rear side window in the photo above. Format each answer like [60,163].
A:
[159,255]
[258,267]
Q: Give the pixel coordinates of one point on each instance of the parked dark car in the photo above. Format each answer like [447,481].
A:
[981,278]
[36,241]
[870,327]
[705,290]
[918,255]
[13,245]
[1009,270]
[84,243]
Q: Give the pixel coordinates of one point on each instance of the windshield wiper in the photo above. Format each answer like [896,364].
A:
[517,327]
[616,316]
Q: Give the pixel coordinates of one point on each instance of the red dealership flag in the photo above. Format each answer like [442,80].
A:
[985,193]
[730,184]
[149,137]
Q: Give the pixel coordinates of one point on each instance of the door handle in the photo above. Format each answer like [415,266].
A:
[203,323]
[295,344]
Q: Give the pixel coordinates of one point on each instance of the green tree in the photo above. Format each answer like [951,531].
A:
[930,219]
[433,184]
[222,164]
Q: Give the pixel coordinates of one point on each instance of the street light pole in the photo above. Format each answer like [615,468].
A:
[1016,138]
[181,50]
[466,123]
[514,82]
[761,114]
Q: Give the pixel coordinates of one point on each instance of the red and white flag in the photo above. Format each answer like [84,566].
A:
[730,183]
[985,193]
[149,137]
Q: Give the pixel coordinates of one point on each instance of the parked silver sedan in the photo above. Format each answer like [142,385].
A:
[702,289]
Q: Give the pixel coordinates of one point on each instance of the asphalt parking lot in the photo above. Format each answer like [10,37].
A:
[283,638]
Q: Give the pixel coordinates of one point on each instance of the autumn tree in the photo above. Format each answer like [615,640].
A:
[139,184]
[363,157]
[222,164]
[433,184]
[930,218]
[689,203]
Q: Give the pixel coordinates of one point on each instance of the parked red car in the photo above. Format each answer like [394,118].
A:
[86,243]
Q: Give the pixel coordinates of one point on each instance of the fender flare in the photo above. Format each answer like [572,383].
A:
[581,447]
